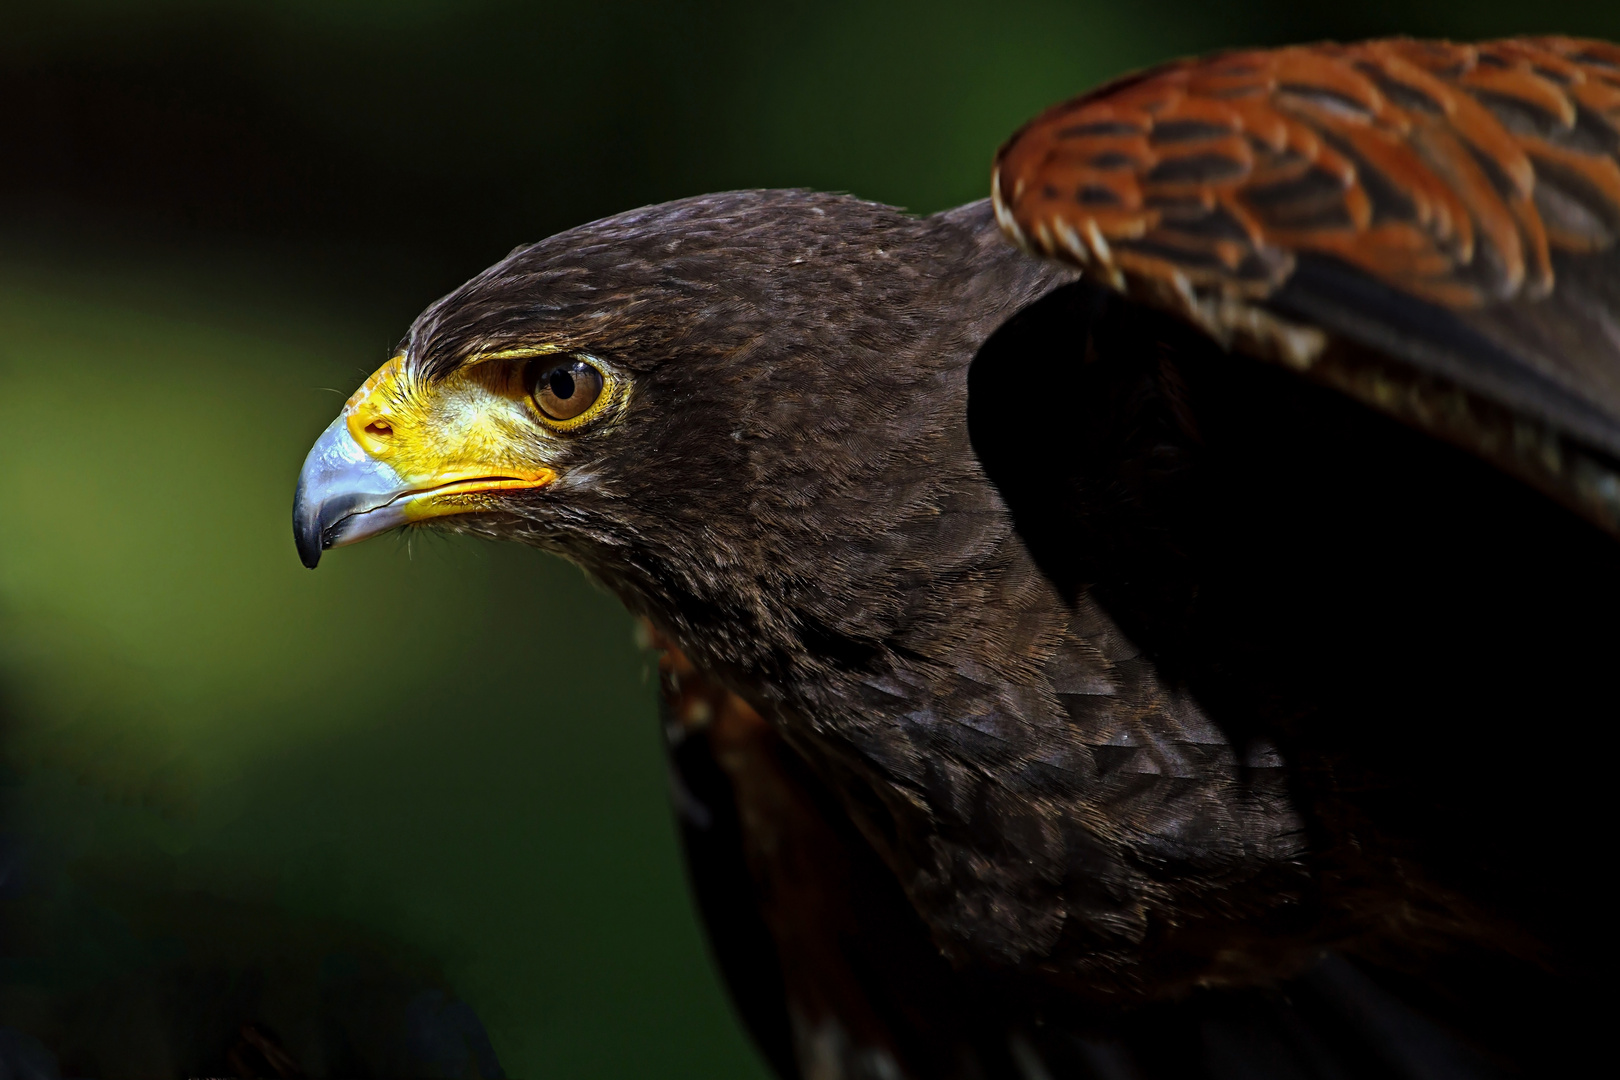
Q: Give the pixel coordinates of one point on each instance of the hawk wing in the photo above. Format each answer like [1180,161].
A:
[1427,226]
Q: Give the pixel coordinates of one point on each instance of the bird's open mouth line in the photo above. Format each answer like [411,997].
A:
[474,485]
[342,530]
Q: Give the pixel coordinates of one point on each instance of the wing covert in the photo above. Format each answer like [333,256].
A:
[1447,171]
[1450,210]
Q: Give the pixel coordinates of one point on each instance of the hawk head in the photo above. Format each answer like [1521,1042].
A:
[711,404]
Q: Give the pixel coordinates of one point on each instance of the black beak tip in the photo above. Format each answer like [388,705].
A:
[307,530]
[309,547]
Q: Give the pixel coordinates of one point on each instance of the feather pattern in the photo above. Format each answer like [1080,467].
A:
[1447,171]
[1430,227]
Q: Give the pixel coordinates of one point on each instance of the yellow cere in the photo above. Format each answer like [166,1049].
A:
[473,432]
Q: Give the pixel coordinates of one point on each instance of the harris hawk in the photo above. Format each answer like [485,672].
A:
[1173,643]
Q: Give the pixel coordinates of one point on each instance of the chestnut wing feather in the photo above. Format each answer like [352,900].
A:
[1431,227]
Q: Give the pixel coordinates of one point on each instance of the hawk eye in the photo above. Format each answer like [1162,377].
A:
[564,391]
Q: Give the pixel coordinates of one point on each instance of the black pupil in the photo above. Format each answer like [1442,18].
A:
[562,384]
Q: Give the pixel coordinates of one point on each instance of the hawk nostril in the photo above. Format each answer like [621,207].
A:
[382,429]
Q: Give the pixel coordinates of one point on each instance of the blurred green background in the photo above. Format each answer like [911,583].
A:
[425,781]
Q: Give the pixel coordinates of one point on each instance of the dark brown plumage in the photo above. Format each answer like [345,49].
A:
[1052,691]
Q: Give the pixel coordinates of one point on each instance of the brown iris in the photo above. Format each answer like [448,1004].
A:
[564,390]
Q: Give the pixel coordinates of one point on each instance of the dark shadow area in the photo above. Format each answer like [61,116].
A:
[114,971]
[1424,639]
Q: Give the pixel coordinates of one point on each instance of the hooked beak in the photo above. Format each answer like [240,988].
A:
[344,495]
[379,465]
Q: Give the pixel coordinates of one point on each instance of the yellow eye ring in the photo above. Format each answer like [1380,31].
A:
[568,392]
